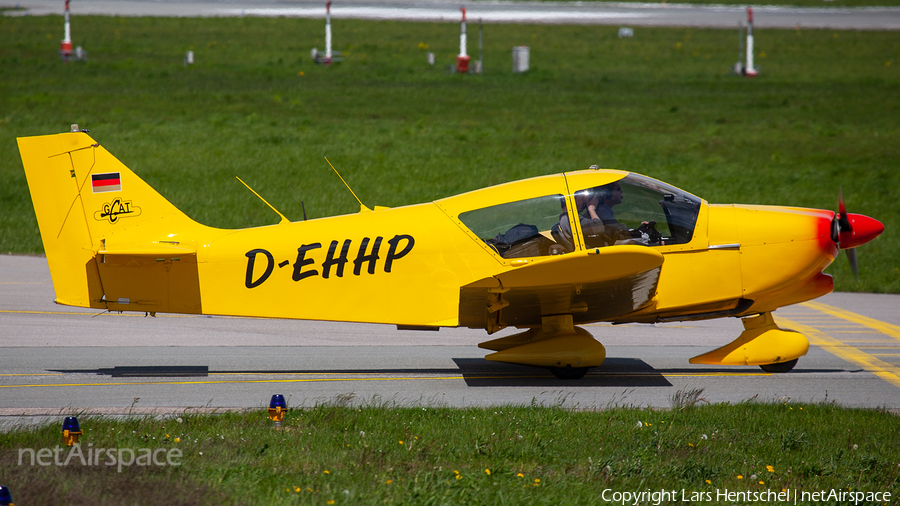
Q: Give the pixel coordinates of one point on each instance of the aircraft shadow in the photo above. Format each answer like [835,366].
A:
[477,372]
[615,372]
[154,371]
[183,371]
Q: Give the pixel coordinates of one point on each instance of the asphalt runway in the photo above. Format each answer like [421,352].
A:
[58,360]
[588,13]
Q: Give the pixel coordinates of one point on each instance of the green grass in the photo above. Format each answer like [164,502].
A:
[376,454]
[822,115]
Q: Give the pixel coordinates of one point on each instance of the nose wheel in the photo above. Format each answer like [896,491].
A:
[569,373]
[779,367]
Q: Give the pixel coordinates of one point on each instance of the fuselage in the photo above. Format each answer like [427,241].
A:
[406,265]
[112,242]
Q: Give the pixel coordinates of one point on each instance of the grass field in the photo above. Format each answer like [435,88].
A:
[377,454]
[823,115]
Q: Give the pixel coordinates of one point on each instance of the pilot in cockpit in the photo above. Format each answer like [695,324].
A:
[611,195]
[597,218]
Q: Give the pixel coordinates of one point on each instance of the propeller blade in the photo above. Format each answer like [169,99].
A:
[843,220]
[851,255]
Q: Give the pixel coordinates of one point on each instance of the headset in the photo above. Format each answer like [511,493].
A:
[605,191]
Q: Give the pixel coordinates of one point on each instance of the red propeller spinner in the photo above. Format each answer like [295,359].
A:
[854,230]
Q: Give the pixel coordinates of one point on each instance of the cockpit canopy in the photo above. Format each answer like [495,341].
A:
[603,210]
[645,199]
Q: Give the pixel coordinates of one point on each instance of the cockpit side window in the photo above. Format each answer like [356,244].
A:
[636,210]
[519,229]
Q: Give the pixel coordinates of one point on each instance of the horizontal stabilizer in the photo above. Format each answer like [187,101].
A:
[155,249]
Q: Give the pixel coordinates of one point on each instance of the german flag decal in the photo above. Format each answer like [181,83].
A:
[109,182]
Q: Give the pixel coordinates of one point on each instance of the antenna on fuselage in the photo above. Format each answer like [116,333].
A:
[362,207]
[283,219]
[302,205]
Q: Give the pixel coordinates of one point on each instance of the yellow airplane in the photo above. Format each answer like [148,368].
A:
[542,255]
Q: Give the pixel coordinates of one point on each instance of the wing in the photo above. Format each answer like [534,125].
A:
[593,285]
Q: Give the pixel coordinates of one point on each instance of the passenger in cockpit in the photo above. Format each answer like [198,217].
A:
[586,203]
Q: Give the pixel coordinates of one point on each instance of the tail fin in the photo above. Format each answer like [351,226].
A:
[110,239]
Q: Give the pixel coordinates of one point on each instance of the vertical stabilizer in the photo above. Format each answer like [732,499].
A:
[90,207]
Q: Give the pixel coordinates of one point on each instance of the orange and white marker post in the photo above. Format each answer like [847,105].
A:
[328,55]
[65,46]
[462,61]
[749,69]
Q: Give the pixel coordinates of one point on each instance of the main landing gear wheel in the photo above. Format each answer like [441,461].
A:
[780,367]
[569,373]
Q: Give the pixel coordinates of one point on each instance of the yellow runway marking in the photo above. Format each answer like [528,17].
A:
[889,333]
[599,374]
[398,378]
[709,374]
[219,382]
[100,312]
[35,374]
[823,326]
[883,370]
[289,373]
[873,341]
[13,311]
[878,326]
[132,314]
